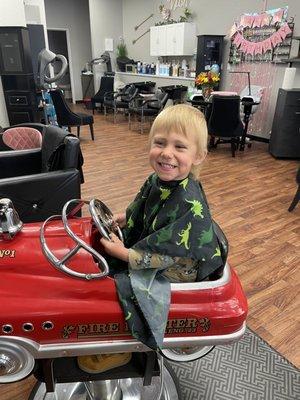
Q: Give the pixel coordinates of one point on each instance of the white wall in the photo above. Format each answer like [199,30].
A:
[106,22]
[218,21]
[74,16]
[35,14]
[12,14]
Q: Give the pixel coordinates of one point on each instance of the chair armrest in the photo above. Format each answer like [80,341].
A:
[147,101]
[36,197]
[20,162]
[110,95]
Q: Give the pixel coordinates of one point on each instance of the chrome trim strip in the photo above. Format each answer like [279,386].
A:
[187,286]
[117,346]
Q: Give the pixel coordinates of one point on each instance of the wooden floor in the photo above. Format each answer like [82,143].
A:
[248,195]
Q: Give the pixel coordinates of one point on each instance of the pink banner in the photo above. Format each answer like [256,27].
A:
[275,39]
[282,33]
[265,20]
[263,46]
[278,16]
[258,48]
[246,20]
[238,39]
[286,29]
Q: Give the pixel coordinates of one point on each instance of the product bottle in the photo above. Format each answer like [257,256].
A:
[157,69]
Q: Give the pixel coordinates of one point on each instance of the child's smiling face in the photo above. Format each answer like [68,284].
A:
[172,155]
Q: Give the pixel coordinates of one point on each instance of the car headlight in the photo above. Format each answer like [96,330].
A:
[184,354]
[15,362]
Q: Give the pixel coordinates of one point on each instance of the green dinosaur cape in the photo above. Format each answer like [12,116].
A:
[170,219]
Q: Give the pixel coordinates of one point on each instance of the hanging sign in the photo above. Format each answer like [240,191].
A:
[267,18]
[261,47]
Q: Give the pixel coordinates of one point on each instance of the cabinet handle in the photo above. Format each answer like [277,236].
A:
[297,112]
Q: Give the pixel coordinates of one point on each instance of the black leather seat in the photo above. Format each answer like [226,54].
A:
[119,100]
[224,121]
[41,181]
[147,107]
[106,86]
[66,117]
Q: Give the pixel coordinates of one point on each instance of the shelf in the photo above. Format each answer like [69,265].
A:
[156,76]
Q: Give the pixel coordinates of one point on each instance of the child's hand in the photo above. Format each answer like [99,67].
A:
[120,219]
[115,247]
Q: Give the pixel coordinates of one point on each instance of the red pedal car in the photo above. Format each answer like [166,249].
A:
[58,302]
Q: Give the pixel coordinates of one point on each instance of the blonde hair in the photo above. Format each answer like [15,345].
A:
[187,121]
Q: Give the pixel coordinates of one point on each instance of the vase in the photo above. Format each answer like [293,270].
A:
[206,92]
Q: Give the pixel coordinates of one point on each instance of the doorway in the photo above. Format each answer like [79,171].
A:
[58,43]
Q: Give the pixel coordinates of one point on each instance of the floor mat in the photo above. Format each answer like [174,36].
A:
[247,370]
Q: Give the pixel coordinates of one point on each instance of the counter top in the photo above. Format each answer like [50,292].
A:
[156,76]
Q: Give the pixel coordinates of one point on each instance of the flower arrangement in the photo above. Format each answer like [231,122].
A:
[208,79]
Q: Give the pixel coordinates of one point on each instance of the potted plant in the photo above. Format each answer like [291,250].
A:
[122,58]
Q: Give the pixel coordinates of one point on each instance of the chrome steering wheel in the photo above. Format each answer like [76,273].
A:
[102,218]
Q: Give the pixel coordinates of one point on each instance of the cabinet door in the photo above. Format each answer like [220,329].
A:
[174,39]
[154,38]
[180,39]
[158,41]
[162,45]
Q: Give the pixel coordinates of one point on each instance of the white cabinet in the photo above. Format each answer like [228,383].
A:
[173,40]
[157,40]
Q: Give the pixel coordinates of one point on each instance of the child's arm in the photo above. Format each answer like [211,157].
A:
[115,247]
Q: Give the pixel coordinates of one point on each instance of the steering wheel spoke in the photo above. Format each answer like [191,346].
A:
[102,218]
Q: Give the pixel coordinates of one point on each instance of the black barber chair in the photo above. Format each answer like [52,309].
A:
[41,181]
[149,107]
[106,85]
[224,121]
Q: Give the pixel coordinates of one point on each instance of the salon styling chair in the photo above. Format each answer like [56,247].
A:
[40,181]
[149,107]
[224,121]
[119,100]
[106,86]
[66,117]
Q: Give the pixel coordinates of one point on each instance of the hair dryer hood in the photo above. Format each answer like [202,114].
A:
[45,58]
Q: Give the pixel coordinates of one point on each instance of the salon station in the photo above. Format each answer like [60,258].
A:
[81,83]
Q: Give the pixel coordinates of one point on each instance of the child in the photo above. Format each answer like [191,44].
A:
[168,231]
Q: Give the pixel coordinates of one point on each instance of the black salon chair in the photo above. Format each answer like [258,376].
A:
[224,121]
[106,86]
[41,181]
[147,107]
[119,100]
[296,198]
[66,117]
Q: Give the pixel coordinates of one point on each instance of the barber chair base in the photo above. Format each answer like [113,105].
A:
[121,389]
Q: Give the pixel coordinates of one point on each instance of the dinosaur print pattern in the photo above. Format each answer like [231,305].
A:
[185,234]
[197,208]
[206,236]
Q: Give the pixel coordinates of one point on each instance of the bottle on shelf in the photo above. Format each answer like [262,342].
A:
[157,69]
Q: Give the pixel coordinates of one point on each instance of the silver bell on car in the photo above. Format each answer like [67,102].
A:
[10,223]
